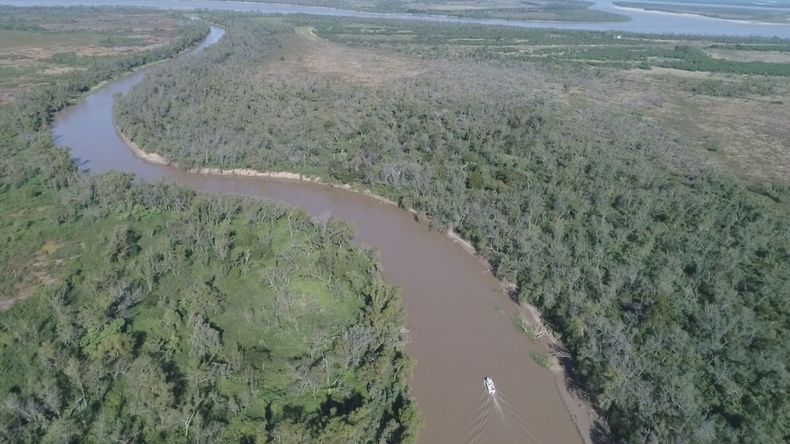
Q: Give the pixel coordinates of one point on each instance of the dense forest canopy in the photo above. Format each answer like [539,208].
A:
[148,313]
[184,318]
[666,279]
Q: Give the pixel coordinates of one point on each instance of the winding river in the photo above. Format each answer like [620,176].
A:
[459,319]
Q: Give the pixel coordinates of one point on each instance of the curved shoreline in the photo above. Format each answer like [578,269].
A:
[158,159]
[695,16]
[581,412]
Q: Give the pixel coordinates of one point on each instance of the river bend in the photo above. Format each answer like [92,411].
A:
[459,320]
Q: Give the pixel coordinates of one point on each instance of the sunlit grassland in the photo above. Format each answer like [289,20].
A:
[38,46]
[725,97]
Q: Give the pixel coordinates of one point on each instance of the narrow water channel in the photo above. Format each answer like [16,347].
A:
[461,329]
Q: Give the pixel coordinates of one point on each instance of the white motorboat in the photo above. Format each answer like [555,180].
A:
[489,383]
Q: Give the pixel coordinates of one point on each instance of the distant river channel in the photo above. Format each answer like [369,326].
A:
[641,21]
[459,321]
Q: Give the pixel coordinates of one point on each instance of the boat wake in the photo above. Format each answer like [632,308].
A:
[510,425]
[480,424]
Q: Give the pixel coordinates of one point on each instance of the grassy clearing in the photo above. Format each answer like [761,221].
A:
[307,53]
[38,45]
[736,122]
[749,56]
[726,99]
[547,10]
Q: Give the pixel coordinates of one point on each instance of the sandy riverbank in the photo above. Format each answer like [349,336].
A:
[693,15]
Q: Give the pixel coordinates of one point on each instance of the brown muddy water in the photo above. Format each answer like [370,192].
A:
[460,321]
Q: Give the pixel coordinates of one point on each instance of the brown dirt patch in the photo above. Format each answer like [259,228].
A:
[658,71]
[27,287]
[29,55]
[749,56]
[751,134]
[6,95]
[306,52]
[112,22]
[58,70]
[8,303]
[50,247]
[747,135]
[84,35]
[33,273]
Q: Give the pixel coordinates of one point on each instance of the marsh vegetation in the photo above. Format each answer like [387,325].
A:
[40,46]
